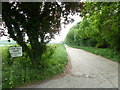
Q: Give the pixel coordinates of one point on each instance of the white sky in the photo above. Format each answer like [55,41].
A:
[63,32]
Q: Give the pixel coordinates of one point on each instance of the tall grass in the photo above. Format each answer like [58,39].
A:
[18,71]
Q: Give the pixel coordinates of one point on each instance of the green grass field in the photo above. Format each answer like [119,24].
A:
[18,71]
[105,52]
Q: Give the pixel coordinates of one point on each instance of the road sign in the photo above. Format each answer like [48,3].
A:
[15,51]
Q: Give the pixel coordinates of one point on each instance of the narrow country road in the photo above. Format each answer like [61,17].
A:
[87,71]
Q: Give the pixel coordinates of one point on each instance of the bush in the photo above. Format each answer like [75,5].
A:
[19,71]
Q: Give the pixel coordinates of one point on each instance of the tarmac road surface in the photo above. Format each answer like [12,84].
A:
[87,71]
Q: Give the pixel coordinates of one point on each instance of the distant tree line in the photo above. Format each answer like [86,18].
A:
[6,42]
[99,26]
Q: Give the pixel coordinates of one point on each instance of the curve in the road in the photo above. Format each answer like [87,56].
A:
[87,71]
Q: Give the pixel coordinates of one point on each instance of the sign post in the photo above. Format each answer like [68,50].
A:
[15,51]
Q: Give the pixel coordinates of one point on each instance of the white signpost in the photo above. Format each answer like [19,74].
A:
[15,51]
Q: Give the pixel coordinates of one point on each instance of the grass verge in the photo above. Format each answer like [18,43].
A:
[105,52]
[18,71]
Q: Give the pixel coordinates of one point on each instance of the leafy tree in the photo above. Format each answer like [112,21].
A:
[100,25]
[70,37]
[104,23]
[39,22]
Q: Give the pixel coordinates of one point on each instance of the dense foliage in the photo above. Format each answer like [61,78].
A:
[99,26]
[36,23]
[19,71]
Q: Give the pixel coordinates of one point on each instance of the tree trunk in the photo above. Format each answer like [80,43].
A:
[37,49]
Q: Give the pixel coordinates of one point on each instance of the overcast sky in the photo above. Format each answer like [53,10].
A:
[64,31]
